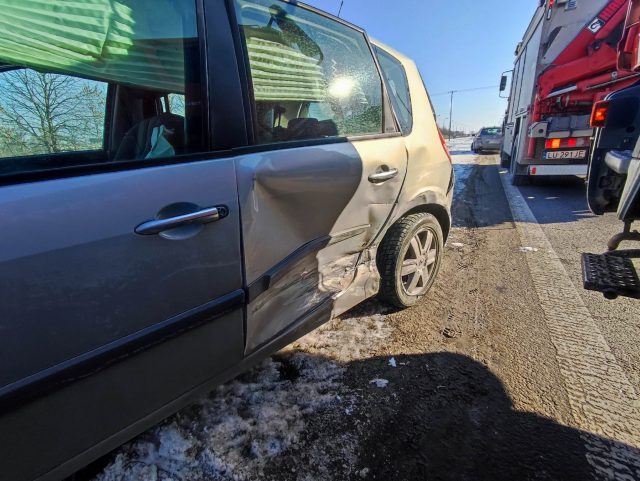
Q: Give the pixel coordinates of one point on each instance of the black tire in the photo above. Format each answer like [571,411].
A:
[520,180]
[391,256]
[505,161]
[517,177]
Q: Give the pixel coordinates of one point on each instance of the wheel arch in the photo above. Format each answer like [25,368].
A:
[440,212]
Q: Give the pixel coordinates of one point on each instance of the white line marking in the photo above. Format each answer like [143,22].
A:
[602,400]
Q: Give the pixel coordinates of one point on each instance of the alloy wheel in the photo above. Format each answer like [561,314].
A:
[419,262]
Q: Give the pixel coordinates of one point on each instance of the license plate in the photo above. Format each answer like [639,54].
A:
[566,154]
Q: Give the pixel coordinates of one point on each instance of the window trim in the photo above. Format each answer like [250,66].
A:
[389,119]
[404,70]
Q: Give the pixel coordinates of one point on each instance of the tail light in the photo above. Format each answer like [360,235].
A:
[599,114]
[568,143]
[553,143]
[444,146]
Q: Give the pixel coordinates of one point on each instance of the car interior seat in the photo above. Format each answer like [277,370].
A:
[137,142]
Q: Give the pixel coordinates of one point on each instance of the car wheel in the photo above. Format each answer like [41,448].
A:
[409,259]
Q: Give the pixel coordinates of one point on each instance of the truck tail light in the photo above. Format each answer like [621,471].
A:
[568,143]
[553,143]
[444,146]
[599,114]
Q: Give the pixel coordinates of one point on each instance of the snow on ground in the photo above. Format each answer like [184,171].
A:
[238,429]
[346,339]
[460,150]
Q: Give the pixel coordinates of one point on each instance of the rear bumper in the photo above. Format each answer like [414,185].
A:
[564,169]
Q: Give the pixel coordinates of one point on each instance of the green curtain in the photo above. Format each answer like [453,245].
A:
[97,39]
[282,73]
[88,38]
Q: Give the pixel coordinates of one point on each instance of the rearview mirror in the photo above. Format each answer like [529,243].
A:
[503,83]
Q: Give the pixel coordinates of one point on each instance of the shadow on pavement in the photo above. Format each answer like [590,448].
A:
[557,199]
[451,418]
[479,198]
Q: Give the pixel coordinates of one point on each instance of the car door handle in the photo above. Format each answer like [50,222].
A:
[204,216]
[383,176]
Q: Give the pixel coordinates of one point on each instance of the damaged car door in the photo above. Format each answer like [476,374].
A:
[328,166]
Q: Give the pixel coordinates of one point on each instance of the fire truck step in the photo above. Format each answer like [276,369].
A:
[614,276]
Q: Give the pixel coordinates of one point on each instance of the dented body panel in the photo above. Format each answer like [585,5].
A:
[307,214]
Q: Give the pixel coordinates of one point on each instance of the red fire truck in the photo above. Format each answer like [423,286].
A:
[565,63]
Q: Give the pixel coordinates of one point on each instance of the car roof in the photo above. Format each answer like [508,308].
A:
[400,56]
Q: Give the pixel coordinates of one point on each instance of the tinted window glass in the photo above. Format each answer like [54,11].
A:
[491,131]
[312,77]
[88,92]
[398,86]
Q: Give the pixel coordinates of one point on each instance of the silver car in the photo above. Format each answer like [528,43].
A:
[184,190]
[488,139]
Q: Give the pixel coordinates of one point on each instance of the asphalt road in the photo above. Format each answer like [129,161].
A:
[507,370]
[560,207]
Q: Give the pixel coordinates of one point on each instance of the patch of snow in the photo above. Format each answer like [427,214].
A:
[381,383]
[392,362]
[457,245]
[347,339]
[528,249]
[235,432]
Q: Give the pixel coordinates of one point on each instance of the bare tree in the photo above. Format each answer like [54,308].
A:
[12,143]
[48,113]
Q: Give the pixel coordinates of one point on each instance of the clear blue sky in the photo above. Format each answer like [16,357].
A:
[457,44]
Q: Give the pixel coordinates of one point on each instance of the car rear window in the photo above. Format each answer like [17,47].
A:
[398,85]
[491,131]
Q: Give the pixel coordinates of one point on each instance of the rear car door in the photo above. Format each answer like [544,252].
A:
[121,287]
[325,171]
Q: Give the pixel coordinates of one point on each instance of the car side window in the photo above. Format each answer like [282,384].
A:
[45,113]
[312,77]
[398,86]
[109,89]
